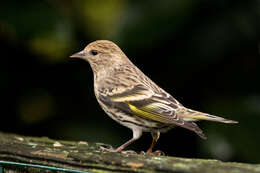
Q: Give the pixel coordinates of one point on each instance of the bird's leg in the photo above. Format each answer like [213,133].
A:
[155,136]
[137,133]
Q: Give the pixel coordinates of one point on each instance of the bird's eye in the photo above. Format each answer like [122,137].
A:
[94,52]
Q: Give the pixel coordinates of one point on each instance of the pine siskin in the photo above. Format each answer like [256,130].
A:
[132,99]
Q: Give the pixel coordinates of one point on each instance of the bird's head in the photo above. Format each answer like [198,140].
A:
[102,54]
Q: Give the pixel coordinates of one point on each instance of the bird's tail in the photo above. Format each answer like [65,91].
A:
[192,115]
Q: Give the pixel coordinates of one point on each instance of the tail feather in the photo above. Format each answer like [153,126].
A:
[194,127]
[196,115]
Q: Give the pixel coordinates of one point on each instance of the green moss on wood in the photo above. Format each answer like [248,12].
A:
[87,157]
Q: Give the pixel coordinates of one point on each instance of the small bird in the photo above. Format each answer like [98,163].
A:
[129,97]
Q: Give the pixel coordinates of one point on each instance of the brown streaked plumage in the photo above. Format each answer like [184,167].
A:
[132,99]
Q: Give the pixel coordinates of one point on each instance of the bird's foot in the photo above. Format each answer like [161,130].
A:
[109,148]
[155,153]
[128,152]
[158,153]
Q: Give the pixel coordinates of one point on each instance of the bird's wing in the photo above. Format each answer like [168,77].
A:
[158,107]
[135,93]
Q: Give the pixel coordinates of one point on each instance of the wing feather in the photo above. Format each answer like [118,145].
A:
[136,93]
[154,106]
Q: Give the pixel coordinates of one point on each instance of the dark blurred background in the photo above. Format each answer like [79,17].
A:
[205,53]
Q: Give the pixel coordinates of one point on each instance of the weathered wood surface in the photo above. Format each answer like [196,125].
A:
[87,157]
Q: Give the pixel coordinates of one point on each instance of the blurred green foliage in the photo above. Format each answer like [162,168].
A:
[205,53]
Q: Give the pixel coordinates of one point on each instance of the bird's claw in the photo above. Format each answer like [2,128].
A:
[128,152]
[109,148]
[155,153]
[158,153]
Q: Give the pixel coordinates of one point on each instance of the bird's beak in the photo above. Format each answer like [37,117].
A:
[78,55]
